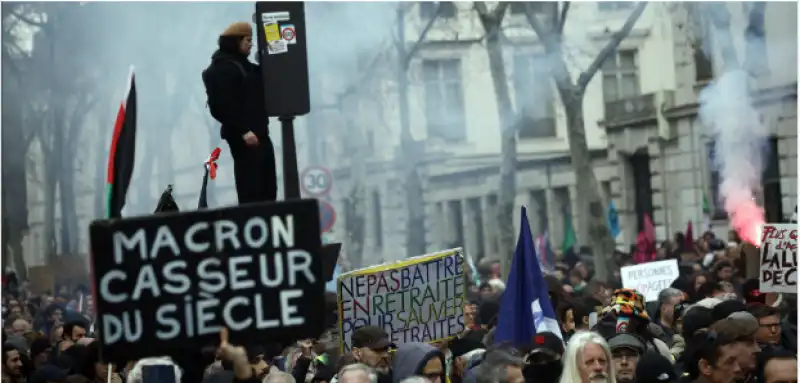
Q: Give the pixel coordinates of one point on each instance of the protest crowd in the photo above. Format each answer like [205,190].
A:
[710,325]
[681,311]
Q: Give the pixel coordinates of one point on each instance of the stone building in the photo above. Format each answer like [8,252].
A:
[649,149]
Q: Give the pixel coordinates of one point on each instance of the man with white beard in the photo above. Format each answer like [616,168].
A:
[588,360]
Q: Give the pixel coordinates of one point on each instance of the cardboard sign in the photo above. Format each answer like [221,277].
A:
[778,254]
[420,299]
[650,278]
[168,283]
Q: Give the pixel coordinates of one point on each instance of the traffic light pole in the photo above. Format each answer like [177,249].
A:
[291,177]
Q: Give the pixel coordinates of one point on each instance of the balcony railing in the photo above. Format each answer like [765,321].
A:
[631,108]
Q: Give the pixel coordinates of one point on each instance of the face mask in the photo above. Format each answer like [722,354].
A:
[545,373]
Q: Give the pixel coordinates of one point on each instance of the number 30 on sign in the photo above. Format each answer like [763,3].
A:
[316,181]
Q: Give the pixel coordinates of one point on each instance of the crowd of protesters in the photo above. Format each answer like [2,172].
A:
[711,326]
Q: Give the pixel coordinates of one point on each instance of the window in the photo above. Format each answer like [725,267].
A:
[444,99]
[494,241]
[771,183]
[642,186]
[614,5]
[756,58]
[534,96]
[714,179]
[476,216]
[537,7]
[620,76]
[427,9]
[703,70]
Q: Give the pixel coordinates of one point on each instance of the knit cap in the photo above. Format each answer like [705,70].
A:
[654,368]
[238,29]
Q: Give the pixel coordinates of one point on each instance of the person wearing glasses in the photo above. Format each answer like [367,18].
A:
[626,349]
[769,324]
[418,359]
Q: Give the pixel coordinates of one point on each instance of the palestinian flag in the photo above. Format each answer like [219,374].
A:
[211,171]
[122,154]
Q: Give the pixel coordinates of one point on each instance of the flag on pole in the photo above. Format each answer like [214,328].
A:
[525,307]
[706,214]
[613,221]
[123,153]
[210,171]
[547,258]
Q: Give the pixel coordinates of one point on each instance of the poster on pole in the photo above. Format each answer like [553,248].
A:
[650,278]
[778,255]
[419,299]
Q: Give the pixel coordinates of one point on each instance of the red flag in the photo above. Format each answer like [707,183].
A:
[646,242]
[210,171]
[649,230]
[123,152]
[688,240]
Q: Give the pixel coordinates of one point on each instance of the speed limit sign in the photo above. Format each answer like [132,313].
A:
[316,181]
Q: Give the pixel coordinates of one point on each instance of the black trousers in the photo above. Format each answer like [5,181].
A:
[254,170]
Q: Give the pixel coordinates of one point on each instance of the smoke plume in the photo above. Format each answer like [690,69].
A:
[739,135]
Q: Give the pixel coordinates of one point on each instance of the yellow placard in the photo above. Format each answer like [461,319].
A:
[413,317]
[272,32]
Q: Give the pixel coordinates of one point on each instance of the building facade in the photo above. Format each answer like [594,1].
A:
[650,151]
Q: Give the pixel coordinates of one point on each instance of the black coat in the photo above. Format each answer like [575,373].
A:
[238,95]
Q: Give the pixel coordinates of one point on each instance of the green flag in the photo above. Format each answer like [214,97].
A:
[706,214]
[570,239]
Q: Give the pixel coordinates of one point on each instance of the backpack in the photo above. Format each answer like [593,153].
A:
[211,102]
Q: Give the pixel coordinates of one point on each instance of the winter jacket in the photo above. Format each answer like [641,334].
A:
[238,95]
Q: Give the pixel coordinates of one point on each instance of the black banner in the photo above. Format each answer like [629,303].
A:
[168,283]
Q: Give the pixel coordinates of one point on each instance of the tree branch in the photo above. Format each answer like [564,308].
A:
[490,20]
[563,18]
[500,12]
[547,38]
[611,45]
[415,47]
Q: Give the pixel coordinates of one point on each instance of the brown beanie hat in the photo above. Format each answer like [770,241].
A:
[239,29]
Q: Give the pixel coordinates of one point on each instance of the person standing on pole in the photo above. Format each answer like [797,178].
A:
[236,99]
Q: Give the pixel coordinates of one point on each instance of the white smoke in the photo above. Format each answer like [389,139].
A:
[727,109]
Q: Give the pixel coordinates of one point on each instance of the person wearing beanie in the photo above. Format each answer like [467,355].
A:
[726,308]
[236,99]
[40,351]
[654,368]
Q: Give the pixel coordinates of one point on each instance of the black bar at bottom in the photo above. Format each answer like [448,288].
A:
[291,178]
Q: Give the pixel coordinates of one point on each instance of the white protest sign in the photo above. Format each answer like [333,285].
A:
[778,256]
[650,278]
[420,299]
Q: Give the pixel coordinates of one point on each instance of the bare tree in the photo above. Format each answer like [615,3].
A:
[64,92]
[492,21]
[16,140]
[593,228]
[415,202]
[355,204]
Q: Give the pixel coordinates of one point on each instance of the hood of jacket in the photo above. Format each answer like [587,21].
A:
[470,373]
[410,359]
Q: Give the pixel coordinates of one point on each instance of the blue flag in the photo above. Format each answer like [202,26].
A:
[613,220]
[525,307]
